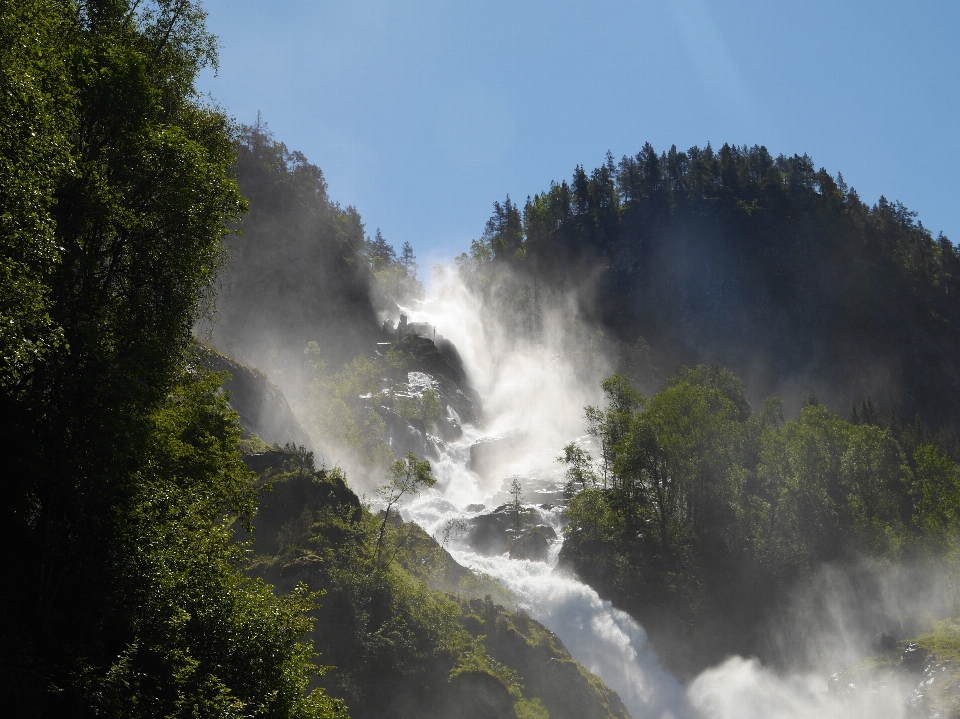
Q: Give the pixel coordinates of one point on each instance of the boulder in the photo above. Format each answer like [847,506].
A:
[533,543]
[914,659]
[488,533]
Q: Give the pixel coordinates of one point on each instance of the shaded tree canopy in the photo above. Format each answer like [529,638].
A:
[763,264]
[123,591]
[699,516]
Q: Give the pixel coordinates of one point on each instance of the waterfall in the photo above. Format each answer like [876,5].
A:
[530,387]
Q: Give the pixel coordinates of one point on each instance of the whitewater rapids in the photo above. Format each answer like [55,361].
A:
[534,388]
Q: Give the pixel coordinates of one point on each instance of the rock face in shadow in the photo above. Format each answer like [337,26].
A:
[497,532]
[478,695]
[263,409]
[533,543]
[297,273]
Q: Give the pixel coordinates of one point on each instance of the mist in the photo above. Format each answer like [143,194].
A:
[535,385]
[534,346]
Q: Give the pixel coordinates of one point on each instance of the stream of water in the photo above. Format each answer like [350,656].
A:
[532,388]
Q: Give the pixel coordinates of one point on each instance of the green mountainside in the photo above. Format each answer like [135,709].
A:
[399,630]
[701,518]
[161,560]
[761,264]
[123,592]
[302,269]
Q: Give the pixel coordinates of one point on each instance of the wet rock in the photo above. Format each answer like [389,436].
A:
[403,435]
[488,533]
[497,532]
[914,659]
[530,546]
[937,690]
[449,350]
[884,643]
[533,543]
[448,427]
[475,507]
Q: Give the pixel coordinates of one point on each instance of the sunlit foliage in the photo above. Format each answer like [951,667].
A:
[123,591]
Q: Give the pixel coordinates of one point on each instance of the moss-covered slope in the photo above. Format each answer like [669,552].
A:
[400,632]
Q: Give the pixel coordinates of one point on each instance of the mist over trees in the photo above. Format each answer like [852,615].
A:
[699,516]
[711,499]
[129,587]
[762,264]
[123,589]
[303,269]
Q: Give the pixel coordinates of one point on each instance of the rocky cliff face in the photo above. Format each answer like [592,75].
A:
[925,672]
[430,373]
[263,409]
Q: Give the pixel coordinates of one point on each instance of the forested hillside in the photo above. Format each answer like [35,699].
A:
[700,516]
[162,560]
[303,269]
[123,591]
[407,630]
[129,511]
[762,264]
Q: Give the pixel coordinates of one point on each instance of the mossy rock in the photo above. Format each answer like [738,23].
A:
[419,354]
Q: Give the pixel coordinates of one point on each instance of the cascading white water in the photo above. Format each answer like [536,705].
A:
[531,388]
[603,639]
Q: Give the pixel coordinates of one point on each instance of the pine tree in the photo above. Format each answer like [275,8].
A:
[408,260]
[380,253]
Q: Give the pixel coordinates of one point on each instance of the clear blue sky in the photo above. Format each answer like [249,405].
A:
[421,114]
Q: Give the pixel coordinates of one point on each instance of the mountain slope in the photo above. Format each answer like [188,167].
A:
[761,264]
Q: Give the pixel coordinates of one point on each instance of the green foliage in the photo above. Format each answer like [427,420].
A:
[201,637]
[253,444]
[116,192]
[408,476]
[579,468]
[335,413]
[710,511]
[388,635]
[937,493]
[388,621]
[398,276]
[36,119]
[740,249]
[474,658]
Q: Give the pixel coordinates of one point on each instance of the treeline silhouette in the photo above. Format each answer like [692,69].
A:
[759,263]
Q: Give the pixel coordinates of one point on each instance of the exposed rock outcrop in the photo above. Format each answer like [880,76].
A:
[426,399]
[502,530]
[263,409]
[312,529]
